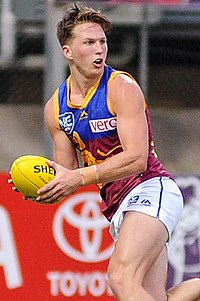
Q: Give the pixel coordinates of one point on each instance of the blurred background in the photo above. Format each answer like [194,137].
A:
[158,42]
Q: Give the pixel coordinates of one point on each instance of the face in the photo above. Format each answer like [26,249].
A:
[87,51]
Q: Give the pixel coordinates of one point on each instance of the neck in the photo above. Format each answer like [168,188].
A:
[80,85]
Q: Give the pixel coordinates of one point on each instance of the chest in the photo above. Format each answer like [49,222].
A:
[90,122]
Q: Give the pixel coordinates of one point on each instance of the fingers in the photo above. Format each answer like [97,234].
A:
[59,187]
[49,197]
[45,189]
[15,189]
[10,181]
[53,164]
[54,194]
[52,200]
[48,191]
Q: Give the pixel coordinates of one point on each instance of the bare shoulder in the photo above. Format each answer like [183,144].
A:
[122,80]
[49,106]
[125,90]
[49,114]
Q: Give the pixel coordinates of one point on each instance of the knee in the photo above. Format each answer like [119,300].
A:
[115,279]
[116,275]
[119,276]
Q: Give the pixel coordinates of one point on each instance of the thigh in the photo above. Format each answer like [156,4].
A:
[141,240]
[157,197]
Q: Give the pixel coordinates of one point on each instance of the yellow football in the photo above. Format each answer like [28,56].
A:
[29,173]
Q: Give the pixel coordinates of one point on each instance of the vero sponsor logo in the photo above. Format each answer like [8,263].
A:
[103,125]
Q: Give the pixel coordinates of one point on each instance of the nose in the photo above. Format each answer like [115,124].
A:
[98,47]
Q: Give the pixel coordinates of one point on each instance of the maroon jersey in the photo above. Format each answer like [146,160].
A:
[92,128]
[113,193]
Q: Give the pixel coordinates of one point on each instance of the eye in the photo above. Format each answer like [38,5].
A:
[89,42]
[103,41]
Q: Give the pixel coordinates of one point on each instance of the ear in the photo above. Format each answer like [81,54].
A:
[67,51]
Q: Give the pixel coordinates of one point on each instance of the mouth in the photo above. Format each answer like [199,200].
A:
[98,62]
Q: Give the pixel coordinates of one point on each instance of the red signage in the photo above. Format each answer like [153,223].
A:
[61,252]
[53,252]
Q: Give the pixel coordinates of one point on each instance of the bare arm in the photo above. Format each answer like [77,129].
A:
[63,150]
[66,163]
[127,102]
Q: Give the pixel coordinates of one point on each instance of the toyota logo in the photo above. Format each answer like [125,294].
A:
[78,228]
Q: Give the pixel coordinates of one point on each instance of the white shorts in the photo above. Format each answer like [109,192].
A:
[159,197]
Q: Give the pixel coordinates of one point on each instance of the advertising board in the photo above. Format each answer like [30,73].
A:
[61,252]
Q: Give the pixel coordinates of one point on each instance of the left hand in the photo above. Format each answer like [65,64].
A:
[65,183]
[10,181]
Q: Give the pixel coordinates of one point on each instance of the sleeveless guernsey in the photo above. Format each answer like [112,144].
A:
[91,127]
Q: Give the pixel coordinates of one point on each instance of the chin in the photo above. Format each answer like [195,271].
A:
[99,70]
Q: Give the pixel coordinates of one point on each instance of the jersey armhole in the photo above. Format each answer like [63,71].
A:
[56,107]
[112,77]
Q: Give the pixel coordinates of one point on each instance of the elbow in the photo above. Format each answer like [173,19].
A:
[141,164]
